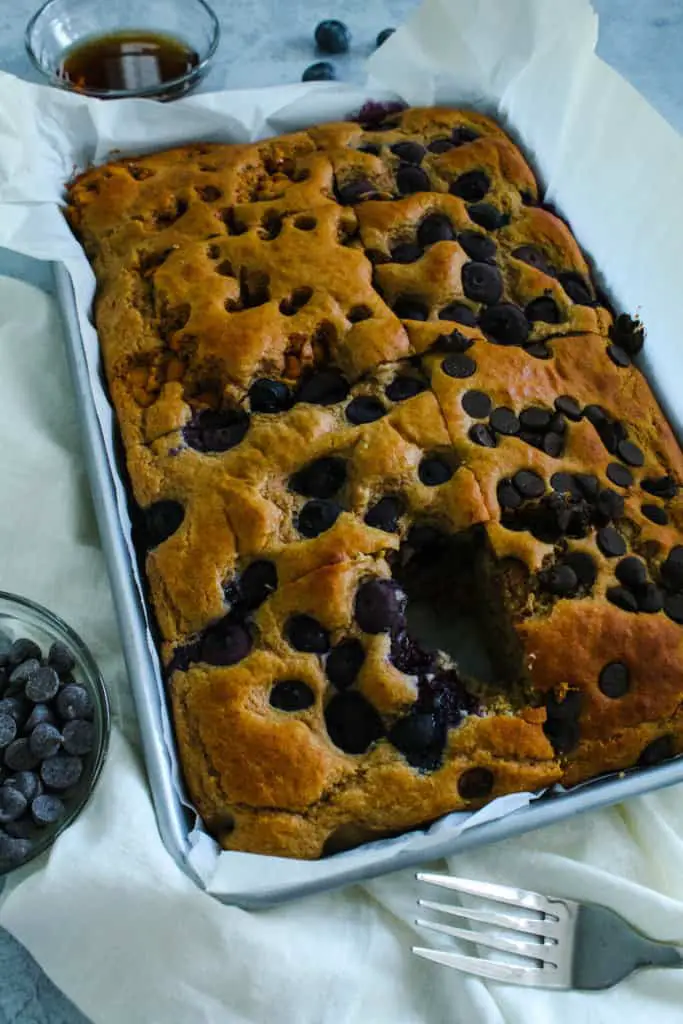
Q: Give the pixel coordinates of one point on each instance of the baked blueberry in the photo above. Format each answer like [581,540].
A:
[406,252]
[225,644]
[471,186]
[269,396]
[384,515]
[435,228]
[508,495]
[569,407]
[630,453]
[257,582]
[332,36]
[210,431]
[487,216]
[352,722]
[379,605]
[459,313]
[655,513]
[505,324]
[619,475]
[660,487]
[611,543]
[326,387]
[565,483]
[408,308]
[657,751]
[291,695]
[305,633]
[410,179]
[504,421]
[529,484]
[618,356]
[475,783]
[622,598]
[344,662]
[480,434]
[321,71]
[364,409]
[409,152]
[545,309]
[478,247]
[584,567]
[650,599]
[534,257]
[671,571]
[420,736]
[434,470]
[320,479]
[355,191]
[482,283]
[317,516]
[560,580]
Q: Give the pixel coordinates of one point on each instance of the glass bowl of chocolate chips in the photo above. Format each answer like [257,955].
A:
[54,728]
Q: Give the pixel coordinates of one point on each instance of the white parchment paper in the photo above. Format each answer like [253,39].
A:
[611,164]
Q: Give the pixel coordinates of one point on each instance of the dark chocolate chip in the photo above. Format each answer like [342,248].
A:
[8,730]
[385,515]
[344,662]
[435,228]
[535,418]
[356,191]
[409,657]
[614,680]
[508,495]
[364,409]
[456,341]
[411,179]
[379,605]
[655,513]
[475,784]
[569,406]
[560,580]
[408,308]
[630,453]
[14,707]
[23,673]
[611,543]
[565,483]
[618,356]
[47,809]
[673,606]
[74,701]
[371,148]
[19,756]
[487,216]
[545,309]
[628,333]
[471,186]
[650,599]
[460,313]
[672,569]
[553,445]
[160,521]
[352,722]
[476,404]
[658,750]
[42,685]
[210,431]
[78,737]
[528,483]
[477,246]
[619,475]
[440,145]
[622,598]
[576,288]
[482,283]
[406,252]
[13,850]
[305,633]
[538,350]
[27,783]
[402,388]
[483,435]
[317,516]
[584,567]
[327,387]
[461,135]
[661,487]
[61,659]
[504,421]
[291,695]
[39,713]
[563,733]
[534,257]
[226,643]
[505,324]
[12,804]
[409,152]
[45,740]
[257,582]
[269,396]
[21,650]
[632,572]
[320,479]
[558,424]
[610,505]
[420,736]
[434,470]
[596,415]
[459,366]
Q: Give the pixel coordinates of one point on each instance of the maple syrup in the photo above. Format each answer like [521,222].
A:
[132,61]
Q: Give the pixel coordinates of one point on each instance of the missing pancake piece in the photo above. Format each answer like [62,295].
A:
[372,404]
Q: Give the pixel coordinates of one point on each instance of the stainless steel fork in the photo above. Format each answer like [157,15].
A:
[569,945]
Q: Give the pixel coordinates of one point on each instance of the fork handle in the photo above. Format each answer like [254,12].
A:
[605,951]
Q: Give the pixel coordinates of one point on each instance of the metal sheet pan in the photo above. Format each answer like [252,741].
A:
[174,819]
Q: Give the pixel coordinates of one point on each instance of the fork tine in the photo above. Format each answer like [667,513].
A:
[535,950]
[497,971]
[489,890]
[496,918]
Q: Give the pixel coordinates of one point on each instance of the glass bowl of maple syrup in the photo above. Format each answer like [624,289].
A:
[158,49]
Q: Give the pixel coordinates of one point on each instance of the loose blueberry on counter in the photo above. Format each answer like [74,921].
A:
[74,701]
[471,186]
[384,515]
[482,283]
[317,516]
[344,662]
[487,216]
[364,409]
[401,388]
[47,809]
[291,695]
[505,324]
[384,35]
[379,606]
[61,771]
[320,479]
[435,228]
[61,659]
[352,722]
[326,387]
[332,36]
[460,313]
[269,396]
[321,71]
[434,471]
[305,633]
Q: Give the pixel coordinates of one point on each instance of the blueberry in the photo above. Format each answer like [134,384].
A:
[332,36]
[482,282]
[61,771]
[305,633]
[364,409]
[471,186]
[406,252]
[42,685]
[160,521]
[224,644]
[384,35]
[411,179]
[317,516]
[460,313]
[39,713]
[434,470]
[26,782]
[22,650]
[291,695]
[321,71]
[45,740]
[324,388]
[25,671]
[258,581]
[408,308]
[14,851]
[487,216]
[379,605]
[435,228]
[384,515]
[61,659]
[78,737]
[420,737]
[19,756]
[269,396]
[477,246]
[74,701]
[409,152]
[344,662]
[352,722]
[320,479]
[47,809]
[8,730]
[211,431]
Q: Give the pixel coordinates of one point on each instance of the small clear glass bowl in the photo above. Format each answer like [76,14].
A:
[20,617]
[60,25]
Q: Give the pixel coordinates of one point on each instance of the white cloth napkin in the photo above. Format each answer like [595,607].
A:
[129,938]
